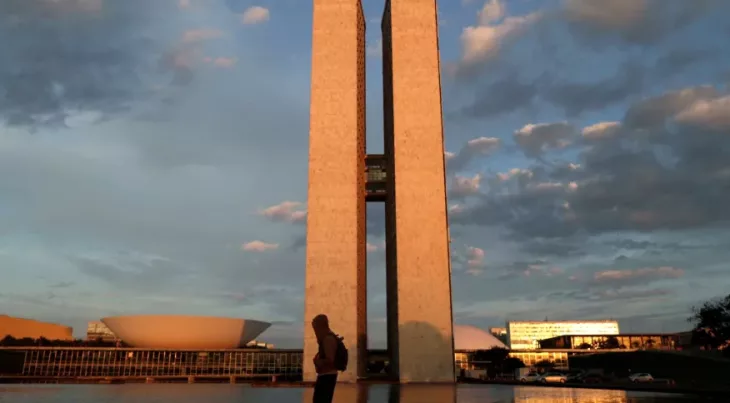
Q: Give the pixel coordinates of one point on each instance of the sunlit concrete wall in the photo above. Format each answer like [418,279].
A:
[21,328]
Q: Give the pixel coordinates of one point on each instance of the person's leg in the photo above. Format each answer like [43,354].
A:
[324,388]
[317,396]
[329,392]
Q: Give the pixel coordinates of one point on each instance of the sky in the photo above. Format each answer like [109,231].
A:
[153,159]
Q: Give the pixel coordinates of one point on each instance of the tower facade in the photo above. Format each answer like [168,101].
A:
[409,178]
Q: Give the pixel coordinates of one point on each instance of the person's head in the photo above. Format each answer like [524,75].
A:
[320,324]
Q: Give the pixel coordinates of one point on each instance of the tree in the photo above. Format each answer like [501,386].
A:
[494,357]
[509,365]
[544,365]
[712,323]
[611,342]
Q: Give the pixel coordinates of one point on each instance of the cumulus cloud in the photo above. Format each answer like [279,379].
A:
[534,139]
[475,260]
[90,58]
[634,21]
[473,149]
[259,246]
[480,43]
[491,12]
[711,114]
[288,211]
[464,186]
[255,15]
[645,177]
[601,130]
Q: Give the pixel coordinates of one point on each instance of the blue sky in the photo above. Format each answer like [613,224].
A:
[153,159]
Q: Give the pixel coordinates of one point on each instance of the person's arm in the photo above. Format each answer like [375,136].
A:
[330,350]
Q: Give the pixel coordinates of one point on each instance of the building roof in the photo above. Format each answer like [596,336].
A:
[473,338]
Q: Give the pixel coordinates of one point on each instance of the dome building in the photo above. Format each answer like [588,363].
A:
[184,332]
[471,338]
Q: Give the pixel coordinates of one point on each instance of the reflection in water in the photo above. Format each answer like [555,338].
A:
[197,393]
[487,394]
[564,395]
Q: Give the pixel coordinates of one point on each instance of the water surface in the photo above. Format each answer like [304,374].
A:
[223,393]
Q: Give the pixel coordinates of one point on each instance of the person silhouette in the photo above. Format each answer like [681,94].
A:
[324,360]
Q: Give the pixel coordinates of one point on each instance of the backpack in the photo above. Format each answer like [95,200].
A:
[341,355]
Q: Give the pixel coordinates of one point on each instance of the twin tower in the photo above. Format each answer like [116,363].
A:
[409,178]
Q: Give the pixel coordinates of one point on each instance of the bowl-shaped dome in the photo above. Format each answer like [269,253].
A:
[473,338]
[184,332]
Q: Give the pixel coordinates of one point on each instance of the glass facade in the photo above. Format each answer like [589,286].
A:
[531,358]
[376,177]
[124,362]
[463,360]
[98,330]
[527,335]
[603,342]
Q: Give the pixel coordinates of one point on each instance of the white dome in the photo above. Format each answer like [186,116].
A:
[473,338]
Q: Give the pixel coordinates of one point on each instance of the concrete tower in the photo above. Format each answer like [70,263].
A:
[409,178]
[336,232]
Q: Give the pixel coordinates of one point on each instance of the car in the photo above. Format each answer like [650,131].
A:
[576,377]
[553,377]
[641,377]
[592,378]
[530,377]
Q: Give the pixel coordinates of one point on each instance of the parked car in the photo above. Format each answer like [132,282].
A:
[590,378]
[641,377]
[576,377]
[530,377]
[553,377]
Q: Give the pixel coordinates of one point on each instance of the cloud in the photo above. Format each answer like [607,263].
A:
[601,130]
[535,139]
[464,186]
[375,49]
[255,15]
[222,62]
[482,43]
[491,12]
[287,211]
[259,246]
[507,94]
[645,274]
[200,35]
[76,56]
[641,22]
[475,260]
[609,295]
[474,148]
[653,174]
[713,114]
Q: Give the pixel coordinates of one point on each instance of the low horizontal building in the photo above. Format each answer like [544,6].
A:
[525,335]
[20,328]
[662,341]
